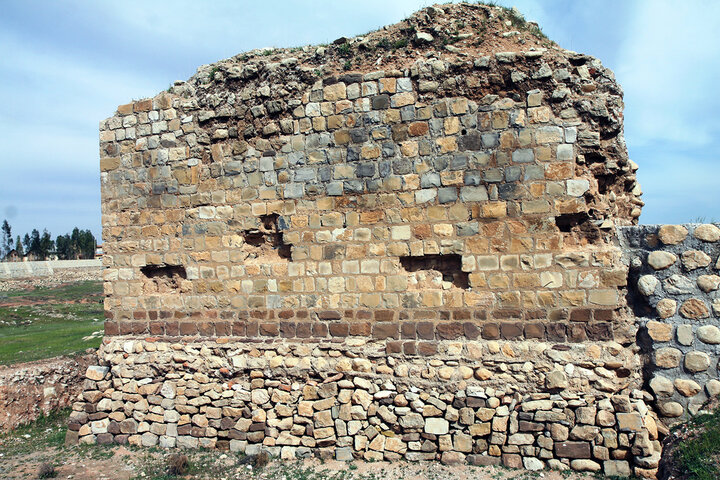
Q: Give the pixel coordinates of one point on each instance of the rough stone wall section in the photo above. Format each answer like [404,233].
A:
[675,270]
[526,405]
[29,390]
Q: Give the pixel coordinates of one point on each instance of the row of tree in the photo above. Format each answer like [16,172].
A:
[71,246]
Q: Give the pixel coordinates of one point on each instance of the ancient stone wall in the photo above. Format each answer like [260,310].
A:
[674,269]
[412,255]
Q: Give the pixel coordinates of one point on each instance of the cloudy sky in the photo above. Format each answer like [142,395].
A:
[65,65]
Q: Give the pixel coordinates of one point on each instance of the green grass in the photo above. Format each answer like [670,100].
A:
[51,328]
[699,455]
[45,432]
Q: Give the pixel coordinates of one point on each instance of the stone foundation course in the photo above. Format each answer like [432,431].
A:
[473,402]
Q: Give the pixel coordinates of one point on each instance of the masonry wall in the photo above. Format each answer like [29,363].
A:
[674,269]
[417,262]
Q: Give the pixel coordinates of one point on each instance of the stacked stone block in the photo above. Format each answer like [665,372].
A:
[470,403]
[675,269]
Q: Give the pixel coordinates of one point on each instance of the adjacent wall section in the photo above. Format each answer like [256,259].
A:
[674,270]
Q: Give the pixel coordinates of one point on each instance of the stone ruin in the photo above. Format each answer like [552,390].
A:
[417,244]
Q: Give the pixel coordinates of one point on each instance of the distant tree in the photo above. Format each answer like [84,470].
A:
[19,247]
[34,248]
[47,245]
[78,244]
[26,243]
[6,241]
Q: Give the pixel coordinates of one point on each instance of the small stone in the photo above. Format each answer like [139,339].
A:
[616,468]
[712,387]
[423,37]
[685,335]
[707,233]
[437,426]
[96,373]
[647,285]
[660,260]
[694,309]
[709,334]
[672,234]
[629,422]
[556,379]
[666,308]
[667,357]
[584,465]
[658,331]
[708,283]
[671,409]
[687,388]
[678,284]
[532,463]
[661,386]
[694,259]
[697,361]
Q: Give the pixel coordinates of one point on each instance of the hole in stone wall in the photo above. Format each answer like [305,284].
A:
[163,278]
[578,223]
[268,236]
[448,266]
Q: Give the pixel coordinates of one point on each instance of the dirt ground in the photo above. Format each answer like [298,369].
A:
[124,464]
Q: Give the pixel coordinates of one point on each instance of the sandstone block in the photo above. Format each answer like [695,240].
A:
[697,361]
[659,331]
[672,234]
[647,284]
[694,308]
[660,260]
[668,357]
[709,334]
[687,388]
[96,373]
[666,308]
[436,426]
[694,259]
[707,233]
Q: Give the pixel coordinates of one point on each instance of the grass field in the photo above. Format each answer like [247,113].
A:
[47,322]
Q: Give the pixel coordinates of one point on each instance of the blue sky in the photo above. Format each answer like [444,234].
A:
[66,65]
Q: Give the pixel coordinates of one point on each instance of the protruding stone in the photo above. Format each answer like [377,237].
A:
[666,308]
[647,284]
[709,334]
[660,260]
[436,426]
[694,259]
[707,233]
[659,332]
[96,373]
[694,309]
[697,361]
[712,387]
[685,335]
[556,379]
[585,465]
[671,409]
[672,234]
[687,388]
[661,386]
[708,283]
[667,357]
